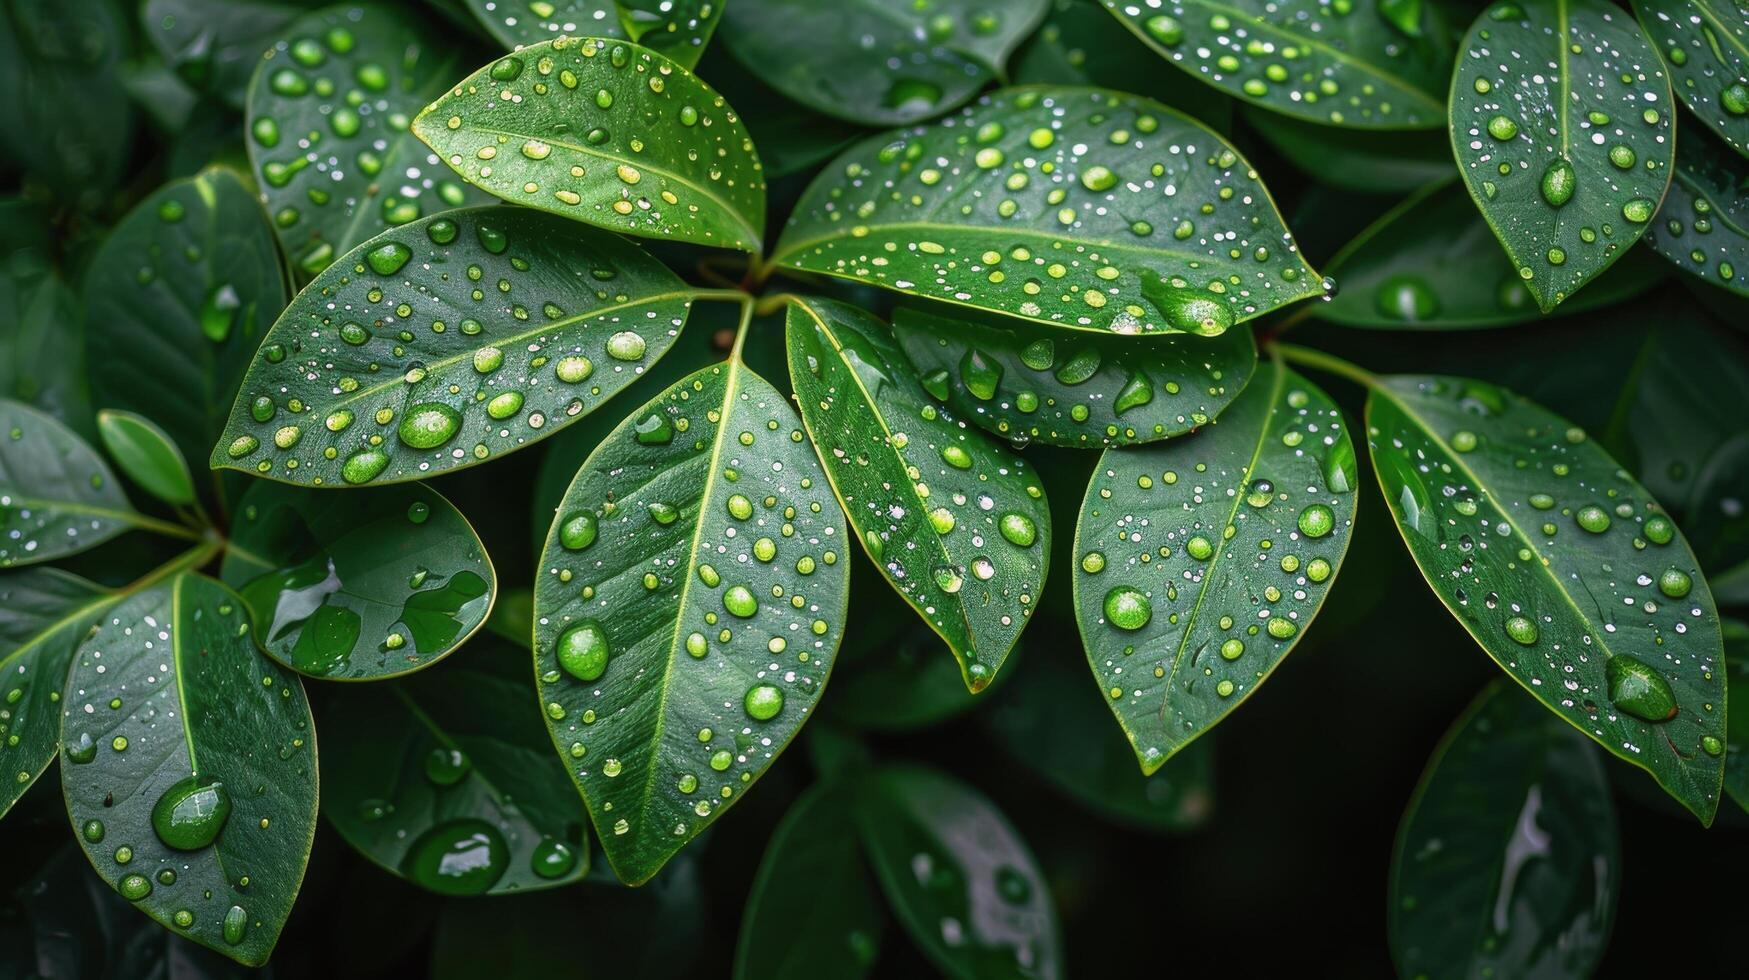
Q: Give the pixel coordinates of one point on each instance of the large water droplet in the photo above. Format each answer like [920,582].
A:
[1639,690]
[190,814]
[463,857]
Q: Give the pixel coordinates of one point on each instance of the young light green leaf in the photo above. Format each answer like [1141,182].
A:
[1372,64]
[57,496]
[874,62]
[607,133]
[957,523]
[1508,862]
[1369,161]
[690,607]
[1203,559]
[177,300]
[1706,45]
[1082,208]
[813,911]
[1029,383]
[1736,637]
[190,772]
[44,614]
[676,29]
[1561,121]
[146,456]
[214,45]
[329,130]
[446,342]
[1703,225]
[1562,567]
[358,586]
[447,779]
[957,875]
[1432,263]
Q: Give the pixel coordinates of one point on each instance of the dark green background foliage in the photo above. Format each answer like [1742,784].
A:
[1218,488]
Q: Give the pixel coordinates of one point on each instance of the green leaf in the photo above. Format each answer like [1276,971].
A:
[1203,559]
[1561,120]
[1705,43]
[958,877]
[1508,862]
[791,137]
[1736,638]
[44,613]
[957,523]
[358,586]
[1371,162]
[1703,224]
[329,130]
[57,496]
[676,29]
[813,910]
[874,62]
[1029,383]
[607,133]
[1371,64]
[1083,208]
[1067,740]
[146,456]
[42,353]
[465,336]
[177,300]
[690,606]
[1431,263]
[1562,567]
[214,45]
[448,780]
[191,767]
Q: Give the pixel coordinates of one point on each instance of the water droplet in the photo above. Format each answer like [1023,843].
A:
[578,531]
[364,466]
[190,814]
[1558,182]
[1018,529]
[583,650]
[1675,583]
[388,258]
[447,765]
[1592,518]
[1522,630]
[1317,520]
[428,425]
[739,601]
[763,702]
[1639,690]
[1127,608]
[463,857]
[552,859]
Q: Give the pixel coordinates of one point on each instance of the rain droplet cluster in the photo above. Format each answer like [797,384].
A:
[57,496]
[1704,42]
[1703,224]
[677,28]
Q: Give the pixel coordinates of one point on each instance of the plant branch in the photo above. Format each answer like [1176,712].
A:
[1328,363]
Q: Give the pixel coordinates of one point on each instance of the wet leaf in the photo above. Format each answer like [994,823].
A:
[448,780]
[1369,64]
[1705,44]
[57,496]
[1432,263]
[690,606]
[1083,208]
[214,45]
[1203,560]
[42,355]
[1508,861]
[1029,383]
[874,62]
[677,29]
[813,910]
[1381,162]
[957,876]
[791,137]
[330,115]
[190,772]
[358,586]
[957,522]
[1703,224]
[178,298]
[1561,121]
[607,133]
[1562,567]
[450,341]
[146,456]
[44,614]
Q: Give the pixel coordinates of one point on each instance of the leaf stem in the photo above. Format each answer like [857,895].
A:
[165,528]
[209,547]
[1329,363]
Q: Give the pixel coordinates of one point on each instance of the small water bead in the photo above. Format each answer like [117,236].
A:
[583,650]
[1675,583]
[1502,128]
[93,831]
[1406,298]
[1018,529]
[1260,493]
[1559,182]
[573,369]
[505,405]
[763,702]
[1639,690]
[190,814]
[461,857]
[1521,630]
[626,346]
[1127,608]
[578,531]
[428,425]
[1463,441]
[552,859]
[388,258]
[1093,562]
[446,766]
[134,887]
[1712,745]
[1199,548]
[1592,518]
[739,601]
[1317,521]
[1659,530]
[1281,627]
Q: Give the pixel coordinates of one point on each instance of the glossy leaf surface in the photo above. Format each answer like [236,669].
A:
[957,876]
[1029,383]
[874,62]
[1370,64]
[607,133]
[1082,208]
[1561,121]
[1372,162]
[1203,560]
[44,614]
[690,605]
[1562,567]
[178,298]
[358,586]
[1705,43]
[448,342]
[330,111]
[1703,225]
[1508,862]
[677,29]
[146,456]
[1432,263]
[214,45]
[191,766]
[956,522]
[448,779]
[57,496]
[813,911]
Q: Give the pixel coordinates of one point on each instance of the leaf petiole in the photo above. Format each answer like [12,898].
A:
[209,547]
[1328,363]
